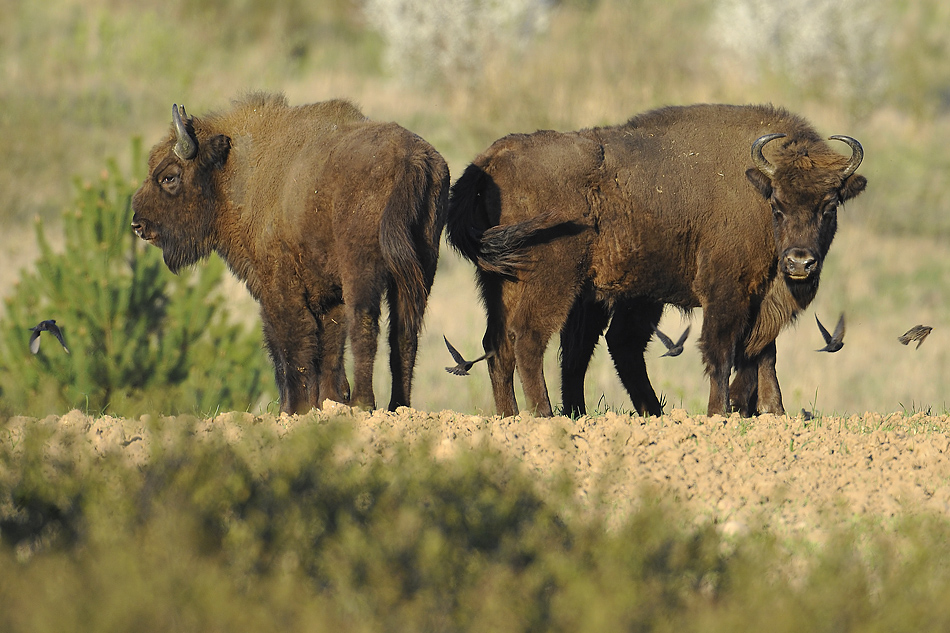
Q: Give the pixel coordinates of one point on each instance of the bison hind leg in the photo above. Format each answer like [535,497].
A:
[403,345]
[584,326]
[501,361]
[631,328]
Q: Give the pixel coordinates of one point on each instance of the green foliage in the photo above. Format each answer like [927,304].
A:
[138,336]
[287,534]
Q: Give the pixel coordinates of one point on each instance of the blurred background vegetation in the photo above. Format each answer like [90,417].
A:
[79,79]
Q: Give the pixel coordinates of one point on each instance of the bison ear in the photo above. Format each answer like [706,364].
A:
[761,182]
[851,187]
[216,151]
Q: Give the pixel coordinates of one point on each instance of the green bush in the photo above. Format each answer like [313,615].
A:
[139,337]
[284,534]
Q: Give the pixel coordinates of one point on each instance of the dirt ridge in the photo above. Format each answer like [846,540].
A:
[787,473]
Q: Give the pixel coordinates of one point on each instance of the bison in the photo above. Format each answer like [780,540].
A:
[320,211]
[728,208]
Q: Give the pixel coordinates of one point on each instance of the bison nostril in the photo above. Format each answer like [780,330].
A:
[799,263]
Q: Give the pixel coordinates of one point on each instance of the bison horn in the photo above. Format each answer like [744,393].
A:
[761,163]
[185,148]
[857,153]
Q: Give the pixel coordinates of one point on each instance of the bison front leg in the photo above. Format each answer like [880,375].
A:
[755,388]
[294,369]
[744,390]
[722,325]
[333,383]
[770,394]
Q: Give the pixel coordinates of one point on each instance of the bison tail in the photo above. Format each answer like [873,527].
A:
[409,234]
[499,249]
[468,215]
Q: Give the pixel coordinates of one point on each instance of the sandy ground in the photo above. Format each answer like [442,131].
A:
[795,476]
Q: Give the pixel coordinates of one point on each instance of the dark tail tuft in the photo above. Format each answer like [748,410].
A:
[472,230]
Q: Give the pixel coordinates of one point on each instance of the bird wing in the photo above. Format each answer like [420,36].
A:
[839,329]
[454,352]
[663,337]
[824,332]
[35,341]
[683,336]
[59,335]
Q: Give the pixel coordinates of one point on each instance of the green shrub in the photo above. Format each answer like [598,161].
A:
[139,337]
[270,533]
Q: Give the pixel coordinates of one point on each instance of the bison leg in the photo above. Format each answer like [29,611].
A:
[333,383]
[722,324]
[755,388]
[363,322]
[529,357]
[403,344]
[497,343]
[631,328]
[501,369]
[537,316]
[770,394]
[584,326]
[744,390]
[292,353]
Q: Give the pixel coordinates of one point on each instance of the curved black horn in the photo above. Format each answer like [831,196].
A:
[857,153]
[185,148]
[761,163]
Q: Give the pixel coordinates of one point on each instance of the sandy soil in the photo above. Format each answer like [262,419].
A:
[795,476]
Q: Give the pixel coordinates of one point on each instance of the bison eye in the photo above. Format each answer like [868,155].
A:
[170,183]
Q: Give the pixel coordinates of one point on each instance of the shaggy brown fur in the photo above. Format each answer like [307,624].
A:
[677,212]
[321,212]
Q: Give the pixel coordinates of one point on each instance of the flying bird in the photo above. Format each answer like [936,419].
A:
[833,342]
[463,365]
[672,349]
[917,333]
[45,326]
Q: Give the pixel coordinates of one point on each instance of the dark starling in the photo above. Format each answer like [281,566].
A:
[833,342]
[673,349]
[917,333]
[45,326]
[463,365]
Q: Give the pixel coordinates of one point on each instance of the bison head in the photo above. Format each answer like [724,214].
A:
[174,208]
[804,188]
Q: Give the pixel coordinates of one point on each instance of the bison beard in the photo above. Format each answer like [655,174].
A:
[681,206]
[320,212]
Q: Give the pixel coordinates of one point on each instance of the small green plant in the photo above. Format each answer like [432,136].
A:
[139,338]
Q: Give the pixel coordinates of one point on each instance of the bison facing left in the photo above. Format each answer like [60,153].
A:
[321,212]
